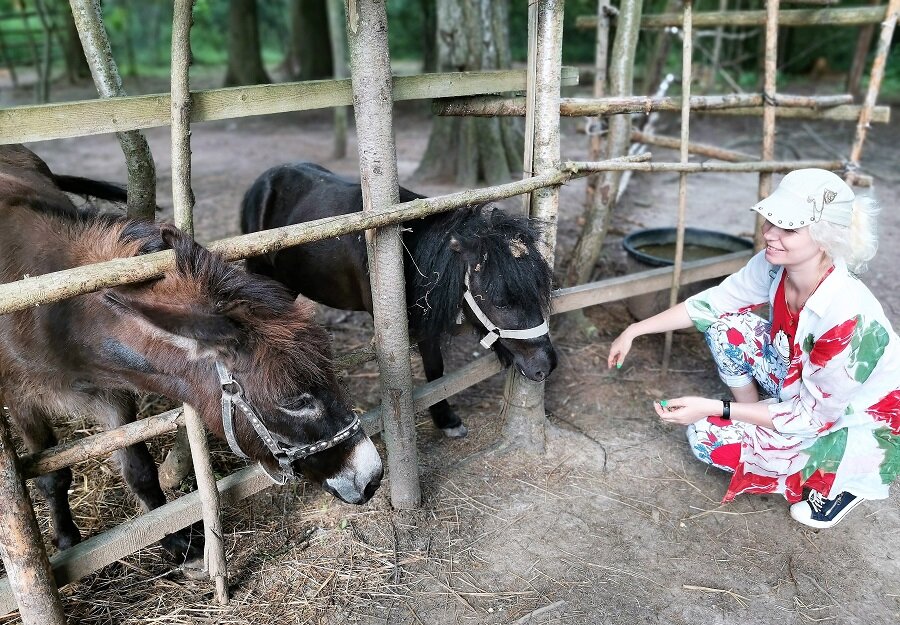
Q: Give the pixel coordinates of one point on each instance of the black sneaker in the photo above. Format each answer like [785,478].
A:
[821,513]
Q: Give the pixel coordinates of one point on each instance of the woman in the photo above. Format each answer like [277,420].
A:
[827,358]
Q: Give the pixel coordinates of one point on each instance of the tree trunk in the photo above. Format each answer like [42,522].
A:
[76,63]
[310,49]
[338,37]
[429,37]
[472,35]
[245,66]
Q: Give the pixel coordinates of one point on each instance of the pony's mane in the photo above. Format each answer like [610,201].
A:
[285,341]
[486,233]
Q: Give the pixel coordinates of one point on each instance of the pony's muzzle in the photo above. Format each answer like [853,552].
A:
[361,476]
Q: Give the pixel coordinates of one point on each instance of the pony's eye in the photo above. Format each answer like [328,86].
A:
[297,404]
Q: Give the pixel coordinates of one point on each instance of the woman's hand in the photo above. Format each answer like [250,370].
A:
[619,349]
[687,410]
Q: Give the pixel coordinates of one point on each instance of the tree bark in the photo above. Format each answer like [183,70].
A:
[310,49]
[23,553]
[472,35]
[338,39]
[371,71]
[76,63]
[88,19]
[245,66]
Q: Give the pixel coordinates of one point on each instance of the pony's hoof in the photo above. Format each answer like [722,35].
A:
[460,431]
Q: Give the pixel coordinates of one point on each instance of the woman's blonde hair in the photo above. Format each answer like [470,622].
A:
[856,243]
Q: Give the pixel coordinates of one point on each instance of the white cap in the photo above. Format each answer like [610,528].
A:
[806,196]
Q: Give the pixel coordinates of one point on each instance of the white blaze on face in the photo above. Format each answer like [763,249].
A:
[362,467]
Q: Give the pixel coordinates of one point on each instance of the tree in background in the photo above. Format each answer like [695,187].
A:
[245,66]
[473,35]
[309,52]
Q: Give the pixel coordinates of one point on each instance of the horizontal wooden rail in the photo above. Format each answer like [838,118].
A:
[494,106]
[789,107]
[613,289]
[89,117]
[707,166]
[792,17]
[36,290]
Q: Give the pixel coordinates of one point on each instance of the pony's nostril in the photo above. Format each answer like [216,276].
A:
[539,376]
[371,488]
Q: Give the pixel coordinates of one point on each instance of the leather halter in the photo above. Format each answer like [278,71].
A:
[493,332]
[233,397]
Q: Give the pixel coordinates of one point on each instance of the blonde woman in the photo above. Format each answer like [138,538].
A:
[827,436]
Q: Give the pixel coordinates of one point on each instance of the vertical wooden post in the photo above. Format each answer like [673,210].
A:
[183,201]
[523,406]
[373,108]
[687,53]
[141,171]
[769,89]
[339,58]
[530,91]
[875,78]
[23,552]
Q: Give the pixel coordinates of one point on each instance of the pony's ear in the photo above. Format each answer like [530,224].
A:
[178,319]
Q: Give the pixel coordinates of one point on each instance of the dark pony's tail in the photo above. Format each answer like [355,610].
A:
[92,188]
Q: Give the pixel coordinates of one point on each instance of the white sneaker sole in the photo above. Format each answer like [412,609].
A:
[801,510]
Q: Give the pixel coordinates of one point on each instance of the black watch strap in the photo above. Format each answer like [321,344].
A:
[726,409]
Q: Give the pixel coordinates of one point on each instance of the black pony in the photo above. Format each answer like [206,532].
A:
[476,261]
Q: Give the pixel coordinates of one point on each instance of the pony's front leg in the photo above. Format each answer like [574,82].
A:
[34,425]
[139,470]
[442,414]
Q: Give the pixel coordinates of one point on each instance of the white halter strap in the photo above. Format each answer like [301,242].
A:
[494,332]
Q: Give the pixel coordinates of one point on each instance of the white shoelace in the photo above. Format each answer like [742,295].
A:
[816,500]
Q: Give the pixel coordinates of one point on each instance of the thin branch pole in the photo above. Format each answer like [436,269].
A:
[141,170]
[601,59]
[852,16]
[877,75]
[686,60]
[858,65]
[371,78]
[183,202]
[46,59]
[493,106]
[32,46]
[702,149]
[7,60]
[52,287]
[769,89]
[24,558]
[528,100]
[338,39]
[621,72]
[523,406]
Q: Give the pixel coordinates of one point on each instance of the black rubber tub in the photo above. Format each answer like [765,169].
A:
[655,247]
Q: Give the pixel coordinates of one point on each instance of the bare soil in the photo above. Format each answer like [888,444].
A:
[617,523]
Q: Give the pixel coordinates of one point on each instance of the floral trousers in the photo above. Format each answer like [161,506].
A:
[744,353]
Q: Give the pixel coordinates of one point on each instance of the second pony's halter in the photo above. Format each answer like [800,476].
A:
[493,332]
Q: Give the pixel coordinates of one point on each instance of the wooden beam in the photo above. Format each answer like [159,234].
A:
[90,117]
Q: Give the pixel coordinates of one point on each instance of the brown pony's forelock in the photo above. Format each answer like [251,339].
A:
[285,343]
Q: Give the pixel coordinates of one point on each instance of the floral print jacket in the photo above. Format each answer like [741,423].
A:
[837,417]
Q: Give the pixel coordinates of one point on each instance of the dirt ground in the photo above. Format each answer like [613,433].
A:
[617,523]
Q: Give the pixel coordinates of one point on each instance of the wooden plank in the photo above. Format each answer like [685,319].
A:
[845,113]
[123,540]
[613,289]
[89,117]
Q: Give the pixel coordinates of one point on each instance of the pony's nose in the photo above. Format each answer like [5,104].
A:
[539,376]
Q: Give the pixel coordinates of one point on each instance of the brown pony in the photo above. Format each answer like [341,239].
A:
[203,332]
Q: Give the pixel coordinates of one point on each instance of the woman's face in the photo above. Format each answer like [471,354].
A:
[790,248]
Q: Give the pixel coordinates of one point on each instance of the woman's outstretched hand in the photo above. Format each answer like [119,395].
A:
[686,410]
[619,349]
